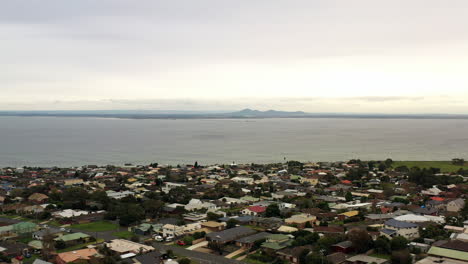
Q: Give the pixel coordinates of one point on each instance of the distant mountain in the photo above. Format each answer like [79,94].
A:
[249,113]
[245,113]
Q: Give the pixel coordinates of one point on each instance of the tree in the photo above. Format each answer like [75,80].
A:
[398,243]
[382,245]
[361,240]
[184,261]
[458,161]
[388,162]
[349,196]
[272,211]
[212,216]
[401,257]
[153,208]
[231,223]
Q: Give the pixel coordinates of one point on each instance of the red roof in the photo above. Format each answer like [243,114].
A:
[257,209]
[346,182]
[435,198]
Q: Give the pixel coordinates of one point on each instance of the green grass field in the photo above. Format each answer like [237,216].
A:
[123,234]
[444,166]
[99,226]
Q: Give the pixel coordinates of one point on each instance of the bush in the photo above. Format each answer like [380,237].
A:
[184,261]
[188,240]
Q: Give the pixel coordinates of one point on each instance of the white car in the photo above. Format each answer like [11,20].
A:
[158,238]
[169,238]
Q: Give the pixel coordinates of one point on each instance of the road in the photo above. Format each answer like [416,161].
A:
[200,257]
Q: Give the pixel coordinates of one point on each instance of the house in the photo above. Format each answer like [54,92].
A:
[67,213]
[364,259]
[394,228]
[230,235]
[276,242]
[336,258]
[292,254]
[301,220]
[38,198]
[347,215]
[119,195]
[40,261]
[254,210]
[343,247]
[243,180]
[153,257]
[213,226]
[434,191]
[74,238]
[196,204]
[74,181]
[456,250]
[78,256]
[122,246]
[249,241]
[172,230]
[455,205]
[24,228]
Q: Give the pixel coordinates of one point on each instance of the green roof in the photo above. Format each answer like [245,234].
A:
[35,244]
[448,253]
[4,229]
[24,227]
[249,198]
[276,246]
[71,237]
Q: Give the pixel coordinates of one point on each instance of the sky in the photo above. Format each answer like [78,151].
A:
[362,56]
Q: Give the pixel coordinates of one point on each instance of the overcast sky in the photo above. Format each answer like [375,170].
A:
[396,56]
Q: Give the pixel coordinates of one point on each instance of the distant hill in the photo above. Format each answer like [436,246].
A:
[249,113]
[245,113]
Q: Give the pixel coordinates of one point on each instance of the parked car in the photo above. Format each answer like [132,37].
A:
[158,238]
[169,238]
[180,243]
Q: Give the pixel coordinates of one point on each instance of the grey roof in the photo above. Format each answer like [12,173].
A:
[399,224]
[149,258]
[230,234]
[40,261]
[344,244]
[388,231]
[253,238]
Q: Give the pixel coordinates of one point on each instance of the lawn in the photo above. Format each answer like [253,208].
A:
[123,234]
[80,246]
[99,226]
[444,166]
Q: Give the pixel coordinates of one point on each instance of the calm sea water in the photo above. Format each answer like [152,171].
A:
[48,141]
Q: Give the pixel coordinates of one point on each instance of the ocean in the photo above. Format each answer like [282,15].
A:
[76,141]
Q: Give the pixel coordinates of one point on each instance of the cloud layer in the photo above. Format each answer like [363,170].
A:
[321,56]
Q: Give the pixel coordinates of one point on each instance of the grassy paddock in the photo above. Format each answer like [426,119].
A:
[123,234]
[99,226]
[444,166]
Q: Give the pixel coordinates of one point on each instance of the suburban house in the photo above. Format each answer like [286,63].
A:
[249,241]
[38,198]
[78,256]
[196,204]
[301,220]
[455,205]
[254,210]
[230,235]
[394,228]
[122,246]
